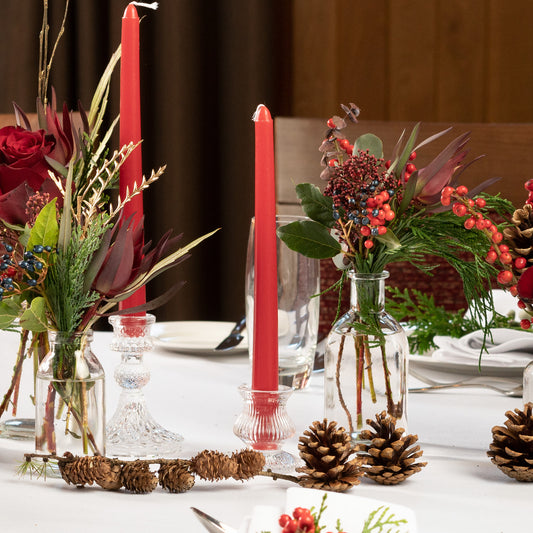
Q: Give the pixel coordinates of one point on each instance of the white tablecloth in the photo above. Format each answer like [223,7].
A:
[459,490]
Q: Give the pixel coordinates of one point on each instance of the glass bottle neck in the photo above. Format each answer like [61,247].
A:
[368,291]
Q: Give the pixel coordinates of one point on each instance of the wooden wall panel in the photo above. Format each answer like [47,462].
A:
[428,60]
[509,77]
[460,60]
[362,50]
[315,61]
[412,45]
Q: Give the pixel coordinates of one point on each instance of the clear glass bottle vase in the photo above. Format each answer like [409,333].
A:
[366,359]
[69,398]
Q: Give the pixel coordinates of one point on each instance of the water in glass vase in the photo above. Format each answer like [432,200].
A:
[366,360]
[70,401]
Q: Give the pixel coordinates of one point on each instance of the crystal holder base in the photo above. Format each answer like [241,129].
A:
[264,424]
[132,431]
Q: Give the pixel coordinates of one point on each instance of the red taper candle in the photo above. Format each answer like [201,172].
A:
[265,335]
[130,127]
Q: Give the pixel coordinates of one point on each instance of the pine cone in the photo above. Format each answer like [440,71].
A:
[325,450]
[137,477]
[512,447]
[520,236]
[249,464]
[213,465]
[90,469]
[391,457]
[175,477]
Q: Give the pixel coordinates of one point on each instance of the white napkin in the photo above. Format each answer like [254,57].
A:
[351,510]
[507,347]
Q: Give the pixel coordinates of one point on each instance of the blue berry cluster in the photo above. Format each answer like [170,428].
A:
[31,265]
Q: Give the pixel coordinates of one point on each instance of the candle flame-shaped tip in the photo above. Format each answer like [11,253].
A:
[262,114]
[130,12]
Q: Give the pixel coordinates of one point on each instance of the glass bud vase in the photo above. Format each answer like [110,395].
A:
[69,398]
[366,359]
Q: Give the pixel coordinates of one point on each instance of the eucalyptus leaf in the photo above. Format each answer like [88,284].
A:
[34,318]
[45,231]
[310,239]
[370,142]
[315,205]
[9,310]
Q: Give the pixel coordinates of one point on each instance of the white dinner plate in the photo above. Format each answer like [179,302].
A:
[196,337]
[466,368]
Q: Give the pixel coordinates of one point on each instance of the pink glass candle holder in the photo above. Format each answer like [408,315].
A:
[264,424]
[132,431]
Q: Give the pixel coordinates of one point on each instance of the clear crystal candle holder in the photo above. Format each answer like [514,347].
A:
[264,424]
[132,431]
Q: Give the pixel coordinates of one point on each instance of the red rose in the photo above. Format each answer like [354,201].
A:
[22,157]
[23,170]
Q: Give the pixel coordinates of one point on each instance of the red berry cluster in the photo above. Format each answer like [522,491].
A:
[499,253]
[301,521]
[361,189]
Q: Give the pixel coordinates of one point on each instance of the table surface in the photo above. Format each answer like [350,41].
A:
[460,490]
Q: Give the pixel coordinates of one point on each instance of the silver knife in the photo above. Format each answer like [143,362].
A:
[234,337]
[212,524]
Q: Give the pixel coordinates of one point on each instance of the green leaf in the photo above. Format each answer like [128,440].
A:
[409,192]
[45,230]
[57,166]
[408,148]
[34,318]
[310,239]
[315,205]
[389,239]
[9,310]
[369,142]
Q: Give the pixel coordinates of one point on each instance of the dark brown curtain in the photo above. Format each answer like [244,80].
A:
[205,66]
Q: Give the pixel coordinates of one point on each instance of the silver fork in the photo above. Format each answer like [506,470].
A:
[432,384]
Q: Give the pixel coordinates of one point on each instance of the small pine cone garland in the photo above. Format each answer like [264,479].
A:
[213,465]
[249,464]
[90,469]
[390,458]
[512,447]
[520,235]
[174,476]
[325,449]
[138,478]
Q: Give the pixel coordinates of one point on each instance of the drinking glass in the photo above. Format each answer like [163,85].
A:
[298,308]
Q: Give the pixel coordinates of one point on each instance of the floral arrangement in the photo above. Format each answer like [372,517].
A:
[68,255]
[374,211]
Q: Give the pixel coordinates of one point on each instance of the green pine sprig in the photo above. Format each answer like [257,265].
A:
[377,522]
[424,319]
